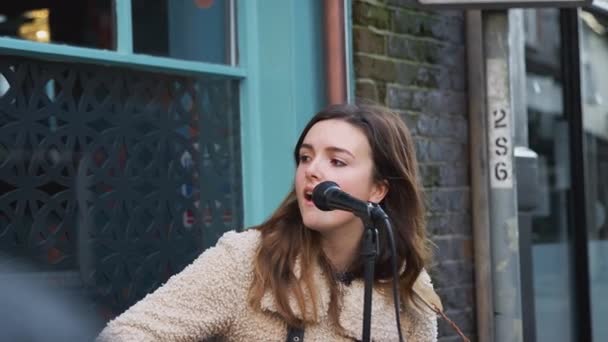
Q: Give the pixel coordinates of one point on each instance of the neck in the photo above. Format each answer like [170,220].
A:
[342,246]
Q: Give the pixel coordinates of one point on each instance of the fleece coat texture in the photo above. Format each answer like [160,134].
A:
[209,298]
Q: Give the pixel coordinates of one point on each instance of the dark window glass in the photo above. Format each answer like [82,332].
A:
[111,179]
[198,30]
[88,23]
[594,54]
[551,220]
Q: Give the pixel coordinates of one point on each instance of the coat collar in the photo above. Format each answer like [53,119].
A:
[383,327]
[268,302]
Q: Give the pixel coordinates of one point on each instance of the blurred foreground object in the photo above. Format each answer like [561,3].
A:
[31,310]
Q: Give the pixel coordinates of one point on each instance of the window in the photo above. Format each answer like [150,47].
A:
[594,53]
[197,30]
[191,30]
[56,22]
[120,158]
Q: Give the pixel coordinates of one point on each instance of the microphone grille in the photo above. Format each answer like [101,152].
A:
[319,194]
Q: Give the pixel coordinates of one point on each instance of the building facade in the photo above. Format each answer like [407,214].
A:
[519,207]
[134,135]
[414,61]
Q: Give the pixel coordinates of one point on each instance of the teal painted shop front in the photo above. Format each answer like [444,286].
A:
[130,144]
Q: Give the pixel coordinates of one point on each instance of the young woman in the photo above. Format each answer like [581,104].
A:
[301,268]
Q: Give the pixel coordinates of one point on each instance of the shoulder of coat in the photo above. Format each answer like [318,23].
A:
[240,245]
[425,294]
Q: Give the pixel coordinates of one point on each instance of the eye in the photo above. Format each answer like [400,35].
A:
[303,158]
[337,162]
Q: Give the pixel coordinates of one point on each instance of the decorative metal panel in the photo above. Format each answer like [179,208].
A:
[122,176]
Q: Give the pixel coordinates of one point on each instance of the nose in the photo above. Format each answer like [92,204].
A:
[312,170]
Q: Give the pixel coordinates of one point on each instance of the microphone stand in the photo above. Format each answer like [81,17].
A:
[369,251]
[328,196]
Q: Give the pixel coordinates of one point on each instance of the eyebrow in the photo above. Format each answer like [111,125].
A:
[330,148]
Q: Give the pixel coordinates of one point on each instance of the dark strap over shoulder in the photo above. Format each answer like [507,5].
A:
[295,334]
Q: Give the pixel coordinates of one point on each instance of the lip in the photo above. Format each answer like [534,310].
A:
[306,201]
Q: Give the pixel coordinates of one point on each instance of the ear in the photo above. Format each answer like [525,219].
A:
[379,191]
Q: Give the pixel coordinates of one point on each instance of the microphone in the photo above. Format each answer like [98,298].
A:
[328,196]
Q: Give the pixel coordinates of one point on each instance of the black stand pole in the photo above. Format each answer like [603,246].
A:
[369,252]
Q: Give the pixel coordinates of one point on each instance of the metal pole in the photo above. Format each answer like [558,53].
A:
[526,170]
[503,208]
[480,183]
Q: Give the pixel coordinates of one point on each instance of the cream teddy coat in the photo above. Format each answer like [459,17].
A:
[209,298]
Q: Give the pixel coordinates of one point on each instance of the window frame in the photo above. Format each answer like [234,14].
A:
[280,75]
[123,55]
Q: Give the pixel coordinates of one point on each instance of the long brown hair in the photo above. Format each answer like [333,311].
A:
[284,238]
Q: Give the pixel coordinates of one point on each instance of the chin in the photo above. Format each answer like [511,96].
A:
[314,221]
[322,221]
[318,228]
[310,223]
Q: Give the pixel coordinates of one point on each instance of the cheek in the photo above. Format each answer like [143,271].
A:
[299,173]
[360,186]
[299,178]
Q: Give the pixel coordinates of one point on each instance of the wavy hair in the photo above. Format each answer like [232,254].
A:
[285,239]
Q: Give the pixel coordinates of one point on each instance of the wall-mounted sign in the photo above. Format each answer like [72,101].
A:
[502,4]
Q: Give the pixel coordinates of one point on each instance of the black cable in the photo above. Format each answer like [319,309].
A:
[391,238]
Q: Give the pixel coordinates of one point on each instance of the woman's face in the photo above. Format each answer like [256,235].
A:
[334,150]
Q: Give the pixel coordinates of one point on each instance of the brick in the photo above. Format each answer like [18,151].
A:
[464,319]
[447,151]
[442,28]
[410,119]
[428,125]
[407,73]
[415,99]
[451,79]
[454,127]
[424,51]
[426,78]
[399,98]
[453,174]
[375,68]
[364,40]
[422,149]
[427,101]
[436,201]
[430,175]
[459,200]
[366,14]
[453,103]
[436,102]
[381,92]
[414,23]
[454,14]
[366,90]
[447,200]
[451,56]
[457,298]
[443,224]
[448,30]
[416,75]
[404,3]
[453,248]
[446,274]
